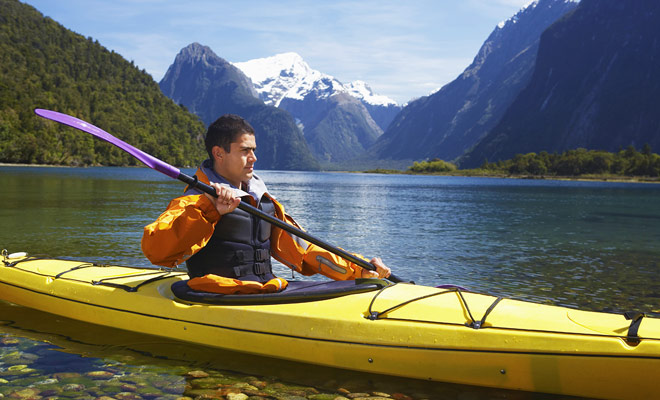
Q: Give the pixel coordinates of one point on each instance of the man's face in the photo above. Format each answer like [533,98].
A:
[237,165]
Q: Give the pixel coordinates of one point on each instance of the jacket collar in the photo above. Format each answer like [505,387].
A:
[255,186]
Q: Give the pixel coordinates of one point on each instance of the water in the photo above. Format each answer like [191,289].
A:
[588,245]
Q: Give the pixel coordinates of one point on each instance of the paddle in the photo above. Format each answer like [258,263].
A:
[173,172]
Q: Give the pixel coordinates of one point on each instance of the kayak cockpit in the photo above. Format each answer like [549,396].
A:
[295,292]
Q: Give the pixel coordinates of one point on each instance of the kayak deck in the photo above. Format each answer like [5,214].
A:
[441,334]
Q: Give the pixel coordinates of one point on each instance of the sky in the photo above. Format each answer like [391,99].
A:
[402,49]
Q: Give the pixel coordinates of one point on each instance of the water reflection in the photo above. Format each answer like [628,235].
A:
[567,243]
[550,241]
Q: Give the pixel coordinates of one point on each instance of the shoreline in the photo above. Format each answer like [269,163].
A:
[74,166]
[584,178]
[36,165]
[580,178]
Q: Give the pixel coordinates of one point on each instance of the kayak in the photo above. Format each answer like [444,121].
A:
[444,334]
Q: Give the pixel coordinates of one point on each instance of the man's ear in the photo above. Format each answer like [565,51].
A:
[218,153]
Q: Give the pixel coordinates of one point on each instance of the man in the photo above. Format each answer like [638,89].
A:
[215,238]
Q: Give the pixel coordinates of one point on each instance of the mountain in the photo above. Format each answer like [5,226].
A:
[209,86]
[381,108]
[45,65]
[595,85]
[204,83]
[337,128]
[451,120]
[339,121]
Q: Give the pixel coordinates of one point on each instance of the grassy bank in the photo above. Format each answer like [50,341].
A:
[480,173]
[627,165]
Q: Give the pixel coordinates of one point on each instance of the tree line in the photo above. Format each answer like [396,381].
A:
[625,162]
[577,162]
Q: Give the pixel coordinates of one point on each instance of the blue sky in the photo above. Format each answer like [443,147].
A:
[402,49]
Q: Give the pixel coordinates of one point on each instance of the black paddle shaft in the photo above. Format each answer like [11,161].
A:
[196,183]
[162,167]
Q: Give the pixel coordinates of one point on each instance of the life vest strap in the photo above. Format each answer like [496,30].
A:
[258,255]
[261,268]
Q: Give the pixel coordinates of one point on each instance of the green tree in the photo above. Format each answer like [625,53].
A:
[44,65]
[434,166]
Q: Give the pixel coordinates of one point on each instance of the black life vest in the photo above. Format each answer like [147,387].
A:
[239,247]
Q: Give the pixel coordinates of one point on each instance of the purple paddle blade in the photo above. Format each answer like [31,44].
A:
[148,160]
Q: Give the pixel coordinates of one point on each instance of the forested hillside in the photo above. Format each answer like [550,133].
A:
[44,65]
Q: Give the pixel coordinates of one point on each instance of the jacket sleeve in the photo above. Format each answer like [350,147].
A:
[181,231]
[307,258]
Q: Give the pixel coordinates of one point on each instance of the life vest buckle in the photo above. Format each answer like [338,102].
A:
[261,255]
[261,268]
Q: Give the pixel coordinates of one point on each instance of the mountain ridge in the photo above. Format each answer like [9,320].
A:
[210,86]
[289,75]
[594,86]
[453,119]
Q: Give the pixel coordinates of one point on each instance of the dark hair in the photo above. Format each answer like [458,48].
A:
[224,131]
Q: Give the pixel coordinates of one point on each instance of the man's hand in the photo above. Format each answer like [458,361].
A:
[382,270]
[226,201]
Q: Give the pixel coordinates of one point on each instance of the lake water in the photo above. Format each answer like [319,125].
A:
[589,245]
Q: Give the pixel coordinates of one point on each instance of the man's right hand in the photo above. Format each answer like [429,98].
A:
[226,201]
[382,270]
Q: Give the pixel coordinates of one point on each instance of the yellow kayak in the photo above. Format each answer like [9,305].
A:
[441,334]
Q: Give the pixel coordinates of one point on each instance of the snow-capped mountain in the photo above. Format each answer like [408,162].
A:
[339,121]
[288,76]
[362,91]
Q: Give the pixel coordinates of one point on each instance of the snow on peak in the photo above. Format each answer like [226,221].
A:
[287,75]
[361,90]
[514,19]
[531,5]
[261,69]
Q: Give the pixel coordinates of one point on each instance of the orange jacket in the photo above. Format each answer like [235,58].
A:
[188,223]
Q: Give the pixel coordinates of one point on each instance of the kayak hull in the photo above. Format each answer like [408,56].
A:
[424,335]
